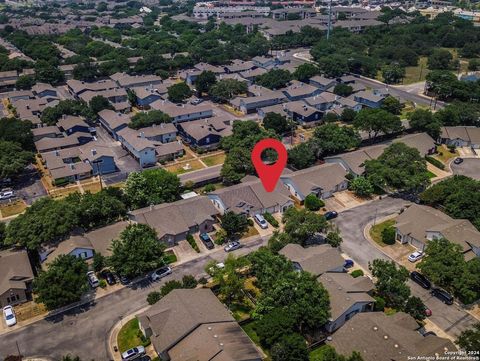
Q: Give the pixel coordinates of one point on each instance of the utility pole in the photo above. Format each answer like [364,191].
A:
[329,19]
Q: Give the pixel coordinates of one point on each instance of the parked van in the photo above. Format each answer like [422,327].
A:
[261,221]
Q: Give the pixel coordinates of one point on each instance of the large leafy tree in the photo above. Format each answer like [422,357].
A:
[391,282]
[204,82]
[234,224]
[301,225]
[361,186]
[226,89]
[274,79]
[179,92]
[13,159]
[416,308]
[99,103]
[17,131]
[290,347]
[153,117]
[393,74]
[62,283]
[377,121]
[137,251]
[392,105]
[469,340]
[302,155]
[399,167]
[305,71]
[266,266]
[440,59]
[333,139]
[273,326]
[152,186]
[424,121]
[277,123]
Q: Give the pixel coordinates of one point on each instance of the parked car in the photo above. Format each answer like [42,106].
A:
[9,316]
[415,256]
[124,280]
[109,277]
[423,281]
[92,279]
[196,101]
[133,353]
[458,160]
[232,246]
[207,241]
[348,263]
[442,295]
[330,215]
[160,273]
[6,194]
[261,221]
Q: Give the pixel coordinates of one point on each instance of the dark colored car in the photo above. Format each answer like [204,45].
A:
[420,279]
[124,280]
[442,295]
[207,241]
[109,277]
[458,160]
[348,263]
[330,215]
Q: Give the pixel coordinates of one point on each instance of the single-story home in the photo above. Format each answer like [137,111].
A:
[461,136]
[204,133]
[113,121]
[16,276]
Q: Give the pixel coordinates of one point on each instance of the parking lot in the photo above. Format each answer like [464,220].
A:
[470,168]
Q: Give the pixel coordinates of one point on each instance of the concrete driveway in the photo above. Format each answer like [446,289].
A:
[470,168]
[451,319]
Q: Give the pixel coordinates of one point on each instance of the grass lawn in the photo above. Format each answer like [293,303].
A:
[214,159]
[252,231]
[431,175]
[28,310]
[317,354]
[92,187]
[414,74]
[443,153]
[376,231]
[180,168]
[169,257]
[241,311]
[128,336]
[10,209]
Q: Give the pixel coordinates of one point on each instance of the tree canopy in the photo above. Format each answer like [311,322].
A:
[334,139]
[391,282]
[226,89]
[179,92]
[277,123]
[376,122]
[147,119]
[274,79]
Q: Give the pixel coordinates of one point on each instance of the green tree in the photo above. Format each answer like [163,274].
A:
[226,89]
[392,105]
[71,358]
[152,186]
[333,139]
[391,282]
[399,167]
[13,159]
[153,297]
[17,131]
[313,203]
[99,262]
[440,59]
[416,308]
[189,281]
[274,79]
[153,117]
[266,266]
[393,74]
[290,347]
[179,92]
[301,225]
[99,103]
[333,66]
[62,283]
[474,64]
[86,71]
[48,73]
[305,71]
[334,239]
[361,186]
[348,115]
[343,90]
[388,235]
[302,155]
[277,123]
[169,286]
[273,326]
[377,121]
[25,82]
[137,251]
[424,121]
[204,82]
[234,224]
[469,340]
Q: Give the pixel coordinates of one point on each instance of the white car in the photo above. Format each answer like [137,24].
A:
[6,194]
[92,279]
[9,316]
[160,273]
[415,256]
[133,353]
[232,246]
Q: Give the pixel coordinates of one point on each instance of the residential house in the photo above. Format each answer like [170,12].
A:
[189,76]
[78,87]
[113,121]
[251,198]
[184,112]
[127,81]
[117,97]
[43,90]
[419,224]
[174,221]
[192,324]
[8,79]
[301,13]
[380,337]
[323,101]
[100,156]
[48,144]
[67,70]
[348,296]
[316,260]
[77,246]
[163,133]
[16,276]
[251,104]
[303,113]
[141,148]
[323,83]
[169,151]
[31,109]
[15,95]
[51,131]
[101,238]
[204,133]
[72,124]
[461,136]
[251,74]
[266,62]
[148,94]
[348,103]
[369,98]
[209,67]
[238,66]
[64,165]
[322,181]
[298,90]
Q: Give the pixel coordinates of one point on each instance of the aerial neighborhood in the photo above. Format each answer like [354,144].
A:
[135,218]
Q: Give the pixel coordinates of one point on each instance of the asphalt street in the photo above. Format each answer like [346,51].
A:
[452,319]
[84,331]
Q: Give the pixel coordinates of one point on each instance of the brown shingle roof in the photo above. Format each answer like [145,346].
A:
[15,270]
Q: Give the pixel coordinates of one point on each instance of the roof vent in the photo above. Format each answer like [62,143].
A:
[216,336]
[375,328]
[396,345]
[94,151]
[385,337]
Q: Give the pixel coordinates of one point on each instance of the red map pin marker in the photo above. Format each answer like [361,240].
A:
[269,173]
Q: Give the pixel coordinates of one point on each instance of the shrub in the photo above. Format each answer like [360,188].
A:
[356,273]
[192,242]
[250,222]
[435,162]
[220,237]
[379,303]
[334,239]
[102,283]
[169,286]
[209,188]
[154,297]
[270,219]
[203,281]
[313,203]
[189,281]
[388,235]
[98,262]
